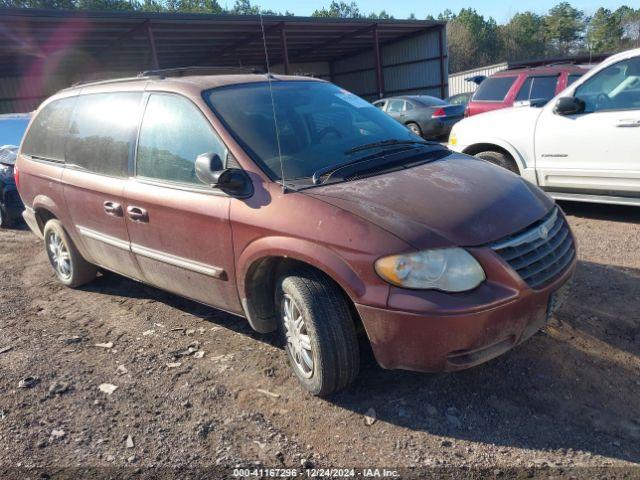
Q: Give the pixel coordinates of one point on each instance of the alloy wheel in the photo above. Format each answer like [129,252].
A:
[59,255]
[297,337]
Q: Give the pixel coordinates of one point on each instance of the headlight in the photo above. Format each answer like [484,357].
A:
[447,269]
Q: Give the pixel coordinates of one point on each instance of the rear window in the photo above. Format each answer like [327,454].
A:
[46,137]
[494,89]
[429,101]
[102,132]
[538,88]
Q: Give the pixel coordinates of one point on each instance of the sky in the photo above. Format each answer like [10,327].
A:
[498,9]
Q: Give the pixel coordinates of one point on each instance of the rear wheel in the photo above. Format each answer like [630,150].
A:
[415,128]
[317,331]
[498,158]
[71,269]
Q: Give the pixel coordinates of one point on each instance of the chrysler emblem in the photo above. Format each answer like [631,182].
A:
[543,231]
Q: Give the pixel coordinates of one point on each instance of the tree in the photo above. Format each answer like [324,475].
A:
[462,47]
[472,40]
[383,15]
[630,24]
[604,31]
[522,37]
[339,10]
[563,28]
[244,7]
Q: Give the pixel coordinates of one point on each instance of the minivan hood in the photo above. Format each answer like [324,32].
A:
[459,200]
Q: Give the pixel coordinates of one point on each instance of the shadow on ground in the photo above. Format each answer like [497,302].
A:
[601,211]
[559,390]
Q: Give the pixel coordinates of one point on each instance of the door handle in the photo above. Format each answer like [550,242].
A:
[628,123]
[137,214]
[112,208]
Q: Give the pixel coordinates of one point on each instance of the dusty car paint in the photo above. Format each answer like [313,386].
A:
[216,249]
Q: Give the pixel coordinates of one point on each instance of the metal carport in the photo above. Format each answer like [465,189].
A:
[45,50]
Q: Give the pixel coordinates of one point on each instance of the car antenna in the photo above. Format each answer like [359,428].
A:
[273,105]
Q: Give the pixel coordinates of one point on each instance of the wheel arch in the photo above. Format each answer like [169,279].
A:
[44,209]
[266,260]
[499,146]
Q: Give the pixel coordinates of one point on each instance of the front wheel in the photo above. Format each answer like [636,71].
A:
[71,269]
[317,331]
[500,159]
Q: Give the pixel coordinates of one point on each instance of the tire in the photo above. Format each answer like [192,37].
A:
[328,326]
[415,128]
[498,158]
[71,269]
[5,220]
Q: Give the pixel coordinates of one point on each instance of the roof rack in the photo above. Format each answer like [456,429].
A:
[184,71]
[172,72]
[556,61]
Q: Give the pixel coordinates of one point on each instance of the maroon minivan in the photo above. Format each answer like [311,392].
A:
[300,206]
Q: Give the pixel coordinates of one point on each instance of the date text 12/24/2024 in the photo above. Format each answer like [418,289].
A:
[314,473]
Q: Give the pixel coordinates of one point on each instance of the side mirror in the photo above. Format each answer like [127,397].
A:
[232,181]
[569,106]
[206,165]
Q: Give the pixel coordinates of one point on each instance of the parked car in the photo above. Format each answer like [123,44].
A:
[12,129]
[313,219]
[523,85]
[429,117]
[583,145]
[459,98]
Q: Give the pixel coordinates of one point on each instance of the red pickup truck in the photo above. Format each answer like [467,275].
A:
[503,89]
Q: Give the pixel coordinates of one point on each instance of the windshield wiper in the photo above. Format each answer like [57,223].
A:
[384,143]
[317,175]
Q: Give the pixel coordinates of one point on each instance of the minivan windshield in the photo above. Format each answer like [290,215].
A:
[319,124]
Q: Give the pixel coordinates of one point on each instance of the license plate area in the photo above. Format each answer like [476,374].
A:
[557,299]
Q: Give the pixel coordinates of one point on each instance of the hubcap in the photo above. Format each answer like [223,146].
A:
[297,336]
[414,129]
[59,256]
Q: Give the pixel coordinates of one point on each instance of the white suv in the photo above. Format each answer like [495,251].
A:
[583,145]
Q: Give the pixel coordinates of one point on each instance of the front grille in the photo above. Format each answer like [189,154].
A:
[541,252]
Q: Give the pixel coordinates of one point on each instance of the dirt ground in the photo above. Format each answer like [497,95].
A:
[567,402]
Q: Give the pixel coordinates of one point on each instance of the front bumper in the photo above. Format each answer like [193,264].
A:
[423,336]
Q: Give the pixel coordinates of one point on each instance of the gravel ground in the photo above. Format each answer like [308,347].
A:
[565,403]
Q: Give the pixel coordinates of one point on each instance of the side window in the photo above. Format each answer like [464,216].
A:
[543,88]
[102,132]
[173,133]
[379,104]
[395,106]
[408,106]
[525,90]
[616,87]
[538,88]
[572,78]
[47,135]
[494,89]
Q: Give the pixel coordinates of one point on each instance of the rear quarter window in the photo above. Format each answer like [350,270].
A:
[48,132]
[102,132]
[494,89]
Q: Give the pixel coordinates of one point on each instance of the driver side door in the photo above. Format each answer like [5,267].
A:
[595,152]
